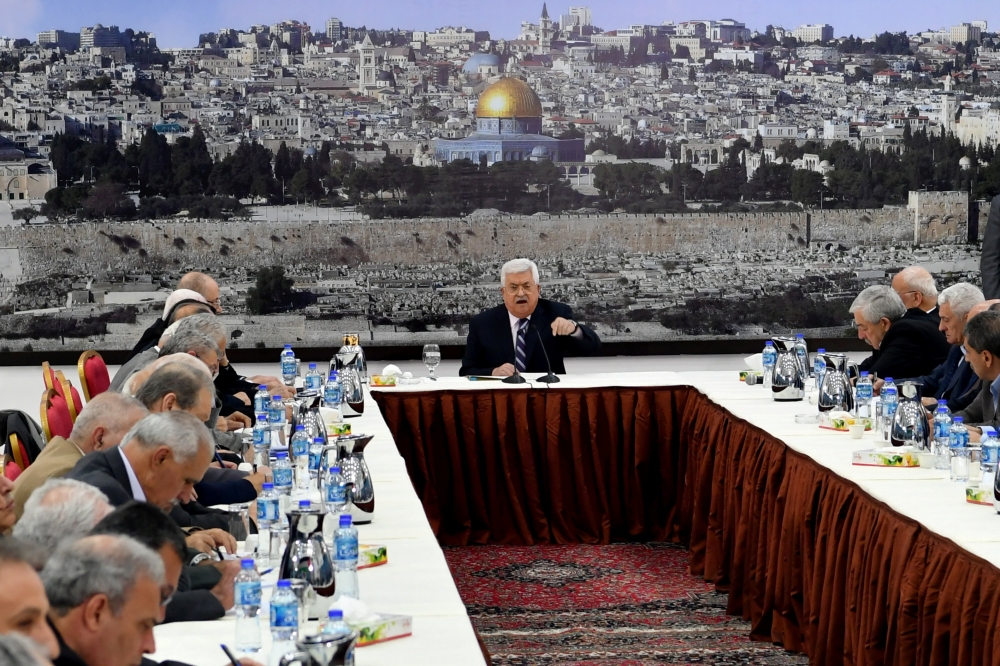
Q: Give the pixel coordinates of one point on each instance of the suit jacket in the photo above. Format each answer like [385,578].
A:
[133,365]
[989,262]
[490,343]
[56,460]
[981,411]
[105,470]
[913,346]
[149,337]
[953,381]
[934,315]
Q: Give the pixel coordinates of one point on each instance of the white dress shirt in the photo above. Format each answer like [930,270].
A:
[133,480]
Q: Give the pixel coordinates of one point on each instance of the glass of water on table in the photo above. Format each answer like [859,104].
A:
[432,357]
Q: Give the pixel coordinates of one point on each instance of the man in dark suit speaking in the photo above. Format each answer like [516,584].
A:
[507,338]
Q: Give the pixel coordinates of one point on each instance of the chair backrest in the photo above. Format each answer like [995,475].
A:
[55,415]
[94,377]
[66,389]
[17,452]
[12,471]
[48,375]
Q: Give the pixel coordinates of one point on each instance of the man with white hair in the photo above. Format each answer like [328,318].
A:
[101,425]
[904,346]
[60,510]
[104,592]
[917,290]
[501,340]
[181,303]
[954,380]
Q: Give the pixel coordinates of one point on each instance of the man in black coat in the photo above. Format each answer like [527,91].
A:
[907,344]
[510,337]
[989,263]
[917,290]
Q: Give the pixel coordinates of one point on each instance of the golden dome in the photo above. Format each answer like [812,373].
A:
[509,98]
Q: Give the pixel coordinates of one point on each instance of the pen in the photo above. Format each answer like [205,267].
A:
[219,460]
[229,654]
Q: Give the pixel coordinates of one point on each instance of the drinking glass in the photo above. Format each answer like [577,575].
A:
[432,357]
[239,521]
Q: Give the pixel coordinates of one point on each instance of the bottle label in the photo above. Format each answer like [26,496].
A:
[959,440]
[282,476]
[313,381]
[890,408]
[276,416]
[332,394]
[864,391]
[315,454]
[248,593]
[287,366]
[259,436]
[267,510]
[285,615]
[336,493]
[942,429]
[991,454]
[347,548]
[300,447]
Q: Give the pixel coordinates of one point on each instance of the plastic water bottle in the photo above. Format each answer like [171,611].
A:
[288,369]
[334,491]
[314,380]
[332,394]
[267,506]
[284,620]
[768,357]
[802,353]
[863,393]
[276,413]
[261,399]
[959,444]
[316,456]
[247,593]
[335,626]
[991,456]
[300,457]
[890,401]
[942,435]
[345,543]
[261,439]
[891,384]
[819,368]
[282,471]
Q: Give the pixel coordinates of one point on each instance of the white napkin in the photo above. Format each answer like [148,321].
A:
[755,362]
[391,370]
[355,612]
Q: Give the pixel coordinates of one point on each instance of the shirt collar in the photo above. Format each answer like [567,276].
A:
[515,321]
[133,480]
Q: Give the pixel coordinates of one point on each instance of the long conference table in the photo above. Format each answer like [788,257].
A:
[848,564]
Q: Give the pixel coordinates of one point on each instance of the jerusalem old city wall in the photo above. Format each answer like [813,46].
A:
[40,250]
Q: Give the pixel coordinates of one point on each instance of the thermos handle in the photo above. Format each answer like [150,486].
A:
[297,657]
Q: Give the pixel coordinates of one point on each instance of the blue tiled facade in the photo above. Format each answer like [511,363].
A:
[506,140]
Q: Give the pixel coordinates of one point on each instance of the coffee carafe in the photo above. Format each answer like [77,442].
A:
[909,423]
[836,392]
[352,369]
[322,650]
[788,381]
[354,469]
[306,556]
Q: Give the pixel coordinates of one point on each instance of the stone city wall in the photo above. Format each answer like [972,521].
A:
[142,246]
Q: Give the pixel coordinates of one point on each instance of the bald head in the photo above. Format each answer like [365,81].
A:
[982,307]
[204,285]
[916,288]
[105,419]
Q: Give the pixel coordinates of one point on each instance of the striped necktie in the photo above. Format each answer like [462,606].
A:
[519,357]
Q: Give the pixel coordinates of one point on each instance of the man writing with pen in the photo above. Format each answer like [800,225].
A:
[515,336]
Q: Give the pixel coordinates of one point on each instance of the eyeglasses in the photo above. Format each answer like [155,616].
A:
[514,289]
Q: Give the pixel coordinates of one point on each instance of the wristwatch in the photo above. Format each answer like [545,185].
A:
[576,327]
[199,558]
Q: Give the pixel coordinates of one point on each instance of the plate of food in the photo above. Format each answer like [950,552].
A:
[842,421]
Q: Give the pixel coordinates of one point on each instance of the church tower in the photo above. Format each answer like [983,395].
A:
[366,64]
[545,31]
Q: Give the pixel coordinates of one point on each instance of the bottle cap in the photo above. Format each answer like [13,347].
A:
[888,379]
[335,470]
[268,486]
[288,346]
[989,431]
[246,564]
[284,584]
[312,366]
[281,455]
[957,419]
[299,427]
[318,440]
[768,344]
[345,520]
[261,387]
[336,614]
[305,504]
[275,397]
[820,351]
[799,335]
[864,373]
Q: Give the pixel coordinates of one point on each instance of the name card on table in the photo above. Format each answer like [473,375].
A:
[886,458]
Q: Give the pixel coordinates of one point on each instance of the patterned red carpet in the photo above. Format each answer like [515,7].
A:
[621,605]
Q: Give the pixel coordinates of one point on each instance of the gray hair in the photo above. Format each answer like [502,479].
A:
[877,302]
[179,431]
[518,266]
[18,650]
[60,510]
[186,341]
[919,279]
[176,378]
[962,297]
[205,323]
[110,410]
[107,564]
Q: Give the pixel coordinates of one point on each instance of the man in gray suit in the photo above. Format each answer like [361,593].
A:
[982,351]
[989,264]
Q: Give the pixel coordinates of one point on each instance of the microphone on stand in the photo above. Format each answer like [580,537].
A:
[515,378]
[549,378]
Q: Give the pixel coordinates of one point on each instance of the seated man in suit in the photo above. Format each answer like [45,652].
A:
[501,340]
[101,425]
[918,292]
[982,351]
[181,303]
[953,380]
[905,346]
